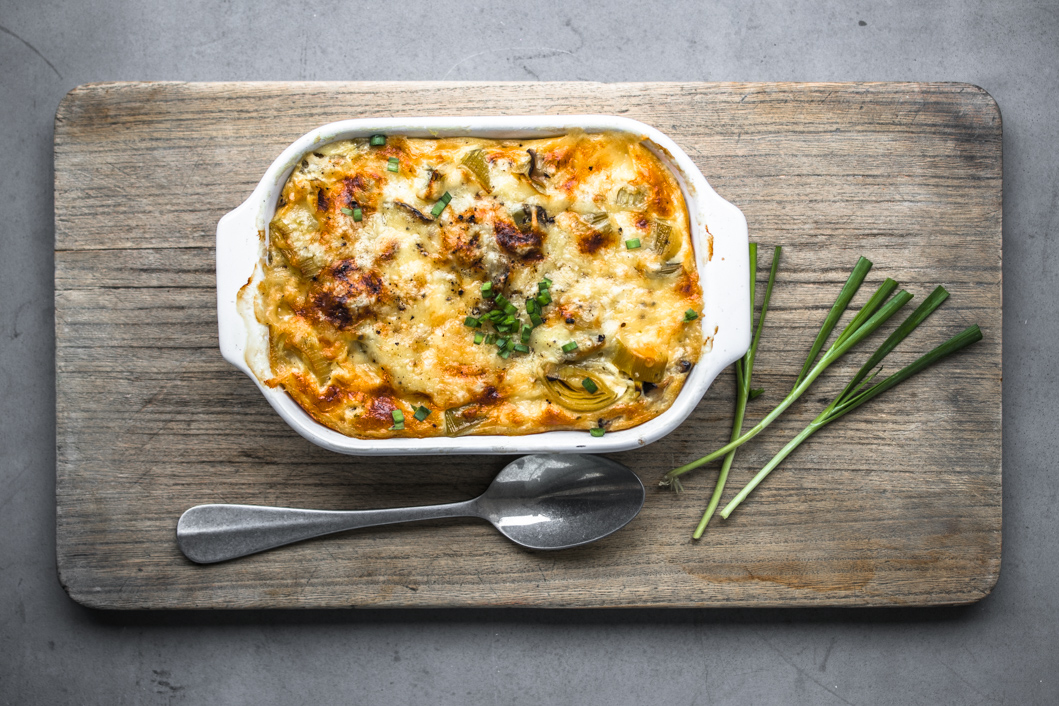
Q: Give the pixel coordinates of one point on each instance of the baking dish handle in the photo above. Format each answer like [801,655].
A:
[726,325]
[238,250]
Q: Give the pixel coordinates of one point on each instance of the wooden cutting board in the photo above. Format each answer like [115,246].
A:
[898,503]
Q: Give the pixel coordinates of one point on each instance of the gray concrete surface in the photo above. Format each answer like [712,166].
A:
[1004,649]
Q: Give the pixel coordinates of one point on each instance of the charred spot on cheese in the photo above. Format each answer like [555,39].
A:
[343,294]
[525,245]
[359,190]
[593,242]
[462,245]
[369,315]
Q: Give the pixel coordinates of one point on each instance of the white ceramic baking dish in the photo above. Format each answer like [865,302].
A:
[724,275]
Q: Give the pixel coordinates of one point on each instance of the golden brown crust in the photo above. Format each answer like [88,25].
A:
[366,315]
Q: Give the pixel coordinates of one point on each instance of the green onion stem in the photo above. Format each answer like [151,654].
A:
[744,368]
[847,340]
[851,398]
[856,278]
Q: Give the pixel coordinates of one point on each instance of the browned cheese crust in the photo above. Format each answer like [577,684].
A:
[371,273]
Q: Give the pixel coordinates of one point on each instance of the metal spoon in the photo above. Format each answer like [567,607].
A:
[539,502]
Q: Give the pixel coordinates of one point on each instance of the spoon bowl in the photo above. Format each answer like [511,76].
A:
[542,501]
[557,502]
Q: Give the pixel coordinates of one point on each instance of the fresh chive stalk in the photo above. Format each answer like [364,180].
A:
[872,315]
[421,413]
[632,244]
[744,369]
[378,140]
[347,211]
[853,396]
[597,431]
[393,164]
[358,215]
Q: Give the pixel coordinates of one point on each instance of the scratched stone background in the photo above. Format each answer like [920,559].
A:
[1004,649]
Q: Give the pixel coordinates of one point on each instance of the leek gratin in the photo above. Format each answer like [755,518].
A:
[431,287]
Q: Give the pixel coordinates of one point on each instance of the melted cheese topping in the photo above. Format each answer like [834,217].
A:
[371,273]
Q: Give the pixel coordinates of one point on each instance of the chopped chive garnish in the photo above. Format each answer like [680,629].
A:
[490,338]
[487,290]
[632,244]
[531,305]
[521,348]
[501,300]
[526,333]
[502,343]
[544,284]
[510,309]
[377,140]
[597,431]
[571,346]
[508,320]
[347,211]
[503,328]
[589,385]
[478,338]
[358,215]
[690,315]
[505,354]
[393,165]
[472,322]
[441,204]
[422,413]
[398,416]
[536,319]
[544,298]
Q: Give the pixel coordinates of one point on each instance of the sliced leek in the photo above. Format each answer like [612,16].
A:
[569,386]
[599,222]
[631,198]
[662,239]
[476,164]
[456,424]
[639,366]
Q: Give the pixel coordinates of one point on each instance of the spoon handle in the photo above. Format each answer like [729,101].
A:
[211,533]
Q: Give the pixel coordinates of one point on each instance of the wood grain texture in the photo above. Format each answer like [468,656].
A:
[898,503]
